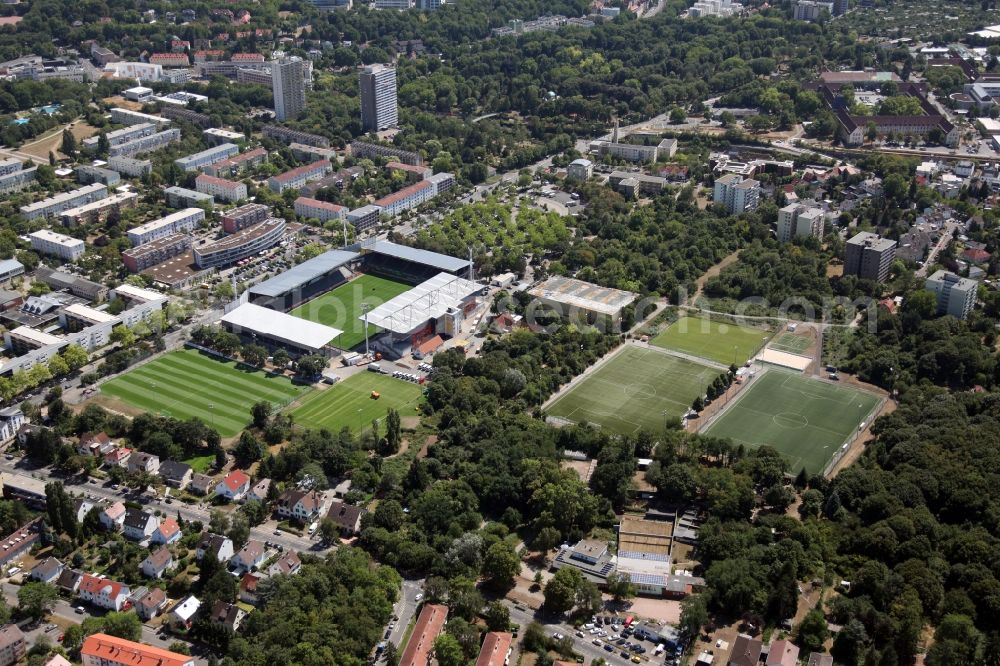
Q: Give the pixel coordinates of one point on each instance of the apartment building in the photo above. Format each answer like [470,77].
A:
[197,160]
[217,135]
[305,152]
[12,645]
[120,136]
[170,60]
[956,296]
[86,174]
[800,221]
[242,244]
[180,113]
[737,194]
[220,188]
[288,135]
[175,223]
[580,169]
[121,116]
[105,650]
[243,216]
[98,211]
[365,218]
[629,152]
[14,181]
[289,88]
[130,166]
[24,339]
[146,144]
[296,178]
[378,98]
[182,197]
[869,256]
[320,210]
[409,197]
[58,245]
[155,252]
[233,165]
[76,317]
[47,208]
[363,149]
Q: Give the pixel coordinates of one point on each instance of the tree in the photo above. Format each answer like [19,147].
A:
[239,529]
[620,586]
[448,652]
[560,592]
[35,600]
[546,539]
[812,632]
[497,616]
[694,614]
[254,355]
[68,146]
[389,515]
[392,432]
[501,565]
[218,522]
[58,366]
[123,335]
[677,115]
[329,531]
[311,365]
[248,450]
[103,145]
[122,625]
[260,413]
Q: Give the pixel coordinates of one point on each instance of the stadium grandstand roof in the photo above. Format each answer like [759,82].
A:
[280,326]
[305,272]
[428,300]
[439,261]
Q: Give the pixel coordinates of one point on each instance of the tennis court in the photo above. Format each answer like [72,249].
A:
[710,339]
[635,389]
[350,404]
[189,383]
[806,420]
[341,307]
[791,343]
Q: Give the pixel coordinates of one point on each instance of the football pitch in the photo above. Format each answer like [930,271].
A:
[717,341]
[349,403]
[806,420]
[791,343]
[341,307]
[635,389]
[187,383]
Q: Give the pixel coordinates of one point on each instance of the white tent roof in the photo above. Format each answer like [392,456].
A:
[428,300]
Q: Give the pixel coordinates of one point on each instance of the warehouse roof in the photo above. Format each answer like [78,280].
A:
[428,300]
[303,273]
[280,326]
[440,261]
[584,295]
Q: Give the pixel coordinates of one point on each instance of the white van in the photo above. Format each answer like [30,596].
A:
[312,528]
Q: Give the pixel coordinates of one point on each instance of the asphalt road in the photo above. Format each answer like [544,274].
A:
[200,512]
[947,234]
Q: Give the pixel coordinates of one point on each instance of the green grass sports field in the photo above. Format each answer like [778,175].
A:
[349,403]
[791,343]
[635,389]
[341,307]
[713,340]
[187,383]
[806,420]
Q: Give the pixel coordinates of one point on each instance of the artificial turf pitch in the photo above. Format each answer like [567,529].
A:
[790,343]
[341,307]
[350,403]
[635,389]
[188,383]
[717,341]
[805,420]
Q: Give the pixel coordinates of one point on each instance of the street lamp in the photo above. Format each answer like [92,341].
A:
[364,310]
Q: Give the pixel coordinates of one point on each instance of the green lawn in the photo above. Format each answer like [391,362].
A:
[200,464]
[341,307]
[713,340]
[349,403]
[187,383]
[791,343]
[806,420]
[637,388]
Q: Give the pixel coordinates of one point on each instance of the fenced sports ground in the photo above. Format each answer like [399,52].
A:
[349,403]
[711,339]
[188,383]
[635,389]
[341,307]
[807,420]
[791,343]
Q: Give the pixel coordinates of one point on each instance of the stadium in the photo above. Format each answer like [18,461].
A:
[411,298]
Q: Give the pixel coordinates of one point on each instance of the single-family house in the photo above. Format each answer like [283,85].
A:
[219,546]
[47,571]
[139,525]
[201,484]
[69,581]
[304,506]
[289,563]
[113,517]
[151,604]
[248,588]
[82,507]
[167,532]
[176,474]
[782,653]
[250,557]
[746,651]
[234,486]
[143,462]
[96,444]
[104,593]
[820,659]
[259,490]
[183,613]
[227,615]
[118,456]
[347,517]
[157,563]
